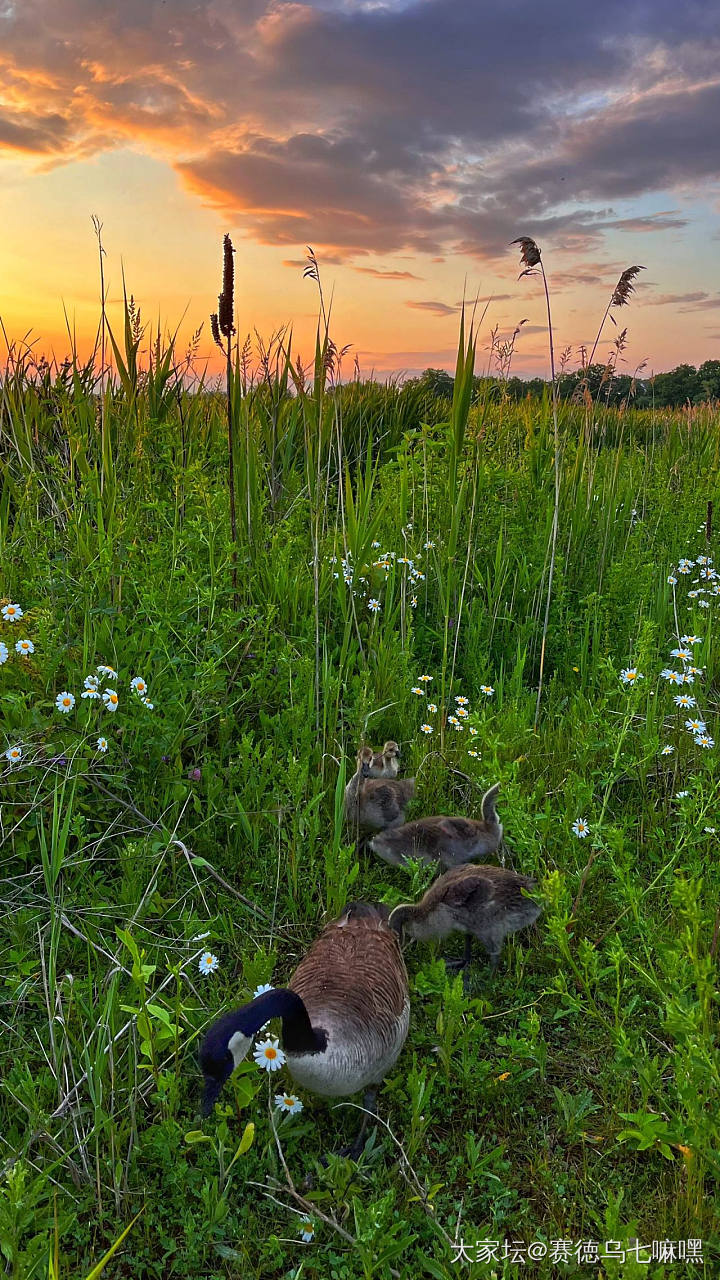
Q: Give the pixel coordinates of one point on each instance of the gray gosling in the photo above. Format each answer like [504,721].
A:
[449,841]
[483,902]
[386,763]
[374,804]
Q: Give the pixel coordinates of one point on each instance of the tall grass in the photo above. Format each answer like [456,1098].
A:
[575,1097]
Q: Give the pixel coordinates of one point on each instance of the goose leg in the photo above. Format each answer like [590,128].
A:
[353,1149]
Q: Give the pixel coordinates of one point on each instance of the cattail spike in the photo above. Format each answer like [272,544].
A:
[529,252]
[226,300]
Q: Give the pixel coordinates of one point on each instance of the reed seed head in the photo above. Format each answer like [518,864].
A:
[625,286]
[529,252]
[226,300]
[215,328]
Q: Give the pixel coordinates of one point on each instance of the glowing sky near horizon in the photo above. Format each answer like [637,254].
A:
[408,143]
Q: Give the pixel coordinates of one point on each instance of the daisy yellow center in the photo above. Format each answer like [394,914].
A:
[113,698]
[289,1102]
[271,1053]
[66,702]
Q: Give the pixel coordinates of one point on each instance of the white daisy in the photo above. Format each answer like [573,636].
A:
[90,693]
[307,1230]
[208,963]
[453,720]
[91,682]
[413,602]
[673,677]
[426,728]
[667,750]
[429,545]
[704,740]
[432,707]
[461,701]
[374,606]
[630,675]
[11,612]
[138,684]
[3,653]
[110,672]
[684,654]
[487,689]
[260,991]
[463,712]
[25,648]
[288,1102]
[425,679]
[684,700]
[581,828]
[102,744]
[147,703]
[682,795]
[695,726]
[65,702]
[709,831]
[691,639]
[672,580]
[476,754]
[269,1055]
[688,677]
[13,754]
[419,692]
[110,699]
[473,732]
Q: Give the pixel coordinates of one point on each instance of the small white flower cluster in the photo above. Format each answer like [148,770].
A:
[12,613]
[457,716]
[706,586]
[358,578]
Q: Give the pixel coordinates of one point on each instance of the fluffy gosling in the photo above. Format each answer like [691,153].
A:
[386,763]
[483,902]
[450,841]
[375,804]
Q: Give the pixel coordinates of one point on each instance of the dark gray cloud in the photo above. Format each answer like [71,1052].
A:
[431,126]
[433,308]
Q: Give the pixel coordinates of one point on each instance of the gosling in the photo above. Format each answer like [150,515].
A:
[386,763]
[374,804]
[449,841]
[483,902]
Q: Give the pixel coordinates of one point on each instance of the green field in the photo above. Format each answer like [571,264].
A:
[575,1096]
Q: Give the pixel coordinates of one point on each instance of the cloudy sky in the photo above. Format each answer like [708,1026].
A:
[408,143]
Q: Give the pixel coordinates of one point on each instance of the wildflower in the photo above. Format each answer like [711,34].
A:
[473,732]
[672,580]
[702,560]
[462,702]
[374,606]
[704,604]
[25,648]
[682,795]
[208,963]
[110,699]
[704,740]
[695,671]
[453,720]
[691,639]
[487,689]
[102,744]
[419,692]
[426,728]
[693,595]
[432,707]
[194,775]
[684,700]
[91,682]
[13,754]
[685,566]
[11,612]
[673,677]
[684,654]
[463,712]
[65,702]
[429,545]
[667,750]
[404,560]
[630,675]
[3,653]
[476,754]
[417,576]
[425,679]
[709,831]
[688,677]
[110,672]
[307,1230]
[260,991]
[375,546]
[581,828]
[147,703]
[695,726]
[413,602]
[457,726]
[288,1102]
[269,1055]
[90,693]
[138,684]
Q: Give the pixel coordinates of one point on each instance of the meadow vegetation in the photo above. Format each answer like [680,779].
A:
[383,533]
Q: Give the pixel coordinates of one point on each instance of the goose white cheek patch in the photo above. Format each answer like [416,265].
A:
[239,1045]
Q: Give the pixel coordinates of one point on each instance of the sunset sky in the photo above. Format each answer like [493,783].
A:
[408,143]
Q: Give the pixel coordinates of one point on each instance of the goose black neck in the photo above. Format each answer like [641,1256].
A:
[298,1035]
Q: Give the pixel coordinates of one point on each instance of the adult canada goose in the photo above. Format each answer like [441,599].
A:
[451,841]
[386,763]
[345,1014]
[482,902]
[376,803]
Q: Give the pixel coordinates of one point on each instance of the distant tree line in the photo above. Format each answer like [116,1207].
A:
[680,386]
